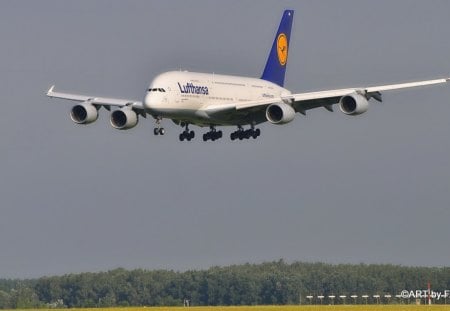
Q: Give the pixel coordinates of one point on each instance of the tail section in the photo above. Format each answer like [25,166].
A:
[276,64]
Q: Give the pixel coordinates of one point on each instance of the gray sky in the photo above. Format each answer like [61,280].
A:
[326,187]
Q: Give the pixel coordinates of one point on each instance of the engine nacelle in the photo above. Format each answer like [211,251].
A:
[84,113]
[124,119]
[353,104]
[280,113]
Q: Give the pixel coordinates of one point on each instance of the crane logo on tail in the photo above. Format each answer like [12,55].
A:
[282,49]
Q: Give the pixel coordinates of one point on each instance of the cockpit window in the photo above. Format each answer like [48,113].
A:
[157,90]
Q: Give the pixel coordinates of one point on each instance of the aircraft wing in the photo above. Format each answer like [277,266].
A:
[306,101]
[94,100]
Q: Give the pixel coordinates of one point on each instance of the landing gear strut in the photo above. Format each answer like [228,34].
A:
[158,130]
[186,134]
[245,134]
[213,134]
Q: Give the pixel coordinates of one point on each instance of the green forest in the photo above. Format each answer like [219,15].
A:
[272,283]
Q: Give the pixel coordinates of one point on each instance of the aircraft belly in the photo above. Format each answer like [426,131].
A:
[178,113]
[201,118]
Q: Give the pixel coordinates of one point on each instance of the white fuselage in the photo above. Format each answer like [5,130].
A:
[183,96]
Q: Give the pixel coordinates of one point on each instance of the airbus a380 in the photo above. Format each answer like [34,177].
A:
[212,100]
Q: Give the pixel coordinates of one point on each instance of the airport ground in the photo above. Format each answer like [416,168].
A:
[277,308]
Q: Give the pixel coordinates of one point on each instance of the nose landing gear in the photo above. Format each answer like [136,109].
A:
[158,130]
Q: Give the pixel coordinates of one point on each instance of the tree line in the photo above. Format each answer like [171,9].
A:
[272,283]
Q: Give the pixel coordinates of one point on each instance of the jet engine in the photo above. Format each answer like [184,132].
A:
[353,104]
[124,119]
[280,113]
[84,113]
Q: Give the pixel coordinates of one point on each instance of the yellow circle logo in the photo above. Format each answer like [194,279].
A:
[282,49]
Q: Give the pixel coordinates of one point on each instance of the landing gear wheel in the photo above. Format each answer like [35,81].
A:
[186,134]
[212,135]
[158,130]
[256,133]
[248,134]
[242,134]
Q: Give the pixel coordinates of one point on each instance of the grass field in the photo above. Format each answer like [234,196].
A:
[280,308]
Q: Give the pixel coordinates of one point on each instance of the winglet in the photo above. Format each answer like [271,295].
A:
[50,90]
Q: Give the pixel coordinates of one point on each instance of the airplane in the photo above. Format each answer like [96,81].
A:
[212,100]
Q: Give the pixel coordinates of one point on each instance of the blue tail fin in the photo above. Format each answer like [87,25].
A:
[276,64]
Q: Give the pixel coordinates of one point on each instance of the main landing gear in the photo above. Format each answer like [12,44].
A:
[186,134]
[245,134]
[158,130]
[213,134]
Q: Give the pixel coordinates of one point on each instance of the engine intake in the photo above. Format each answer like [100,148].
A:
[84,113]
[124,119]
[354,104]
[280,113]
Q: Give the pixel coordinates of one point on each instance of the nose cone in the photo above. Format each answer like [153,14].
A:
[154,101]
[151,102]
[147,101]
